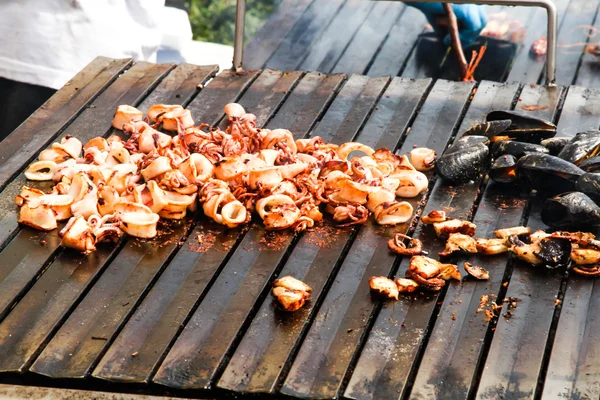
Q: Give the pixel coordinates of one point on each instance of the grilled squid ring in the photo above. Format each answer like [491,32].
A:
[37,215]
[177,205]
[197,168]
[27,193]
[274,138]
[158,167]
[269,156]
[151,195]
[60,204]
[78,235]
[379,196]
[230,167]
[412,183]
[126,114]
[278,211]
[70,145]
[290,171]
[171,116]
[58,156]
[345,149]
[139,224]
[41,171]
[393,213]
[352,192]
[349,214]
[414,248]
[98,142]
[267,178]
[422,158]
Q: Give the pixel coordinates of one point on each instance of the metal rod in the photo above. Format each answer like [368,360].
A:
[552,24]
[238,39]
[238,44]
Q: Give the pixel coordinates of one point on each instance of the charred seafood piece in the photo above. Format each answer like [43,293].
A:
[291,293]
[462,163]
[549,173]
[591,271]
[477,272]
[504,169]
[434,216]
[384,287]
[459,242]
[448,227]
[589,184]
[555,144]
[524,128]
[516,149]
[572,210]
[584,145]
[585,256]
[406,285]
[591,164]
[551,252]
[514,231]
[429,273]
[415,247]
[491,247]
[488,129]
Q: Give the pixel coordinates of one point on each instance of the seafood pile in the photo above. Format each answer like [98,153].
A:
[168,167]
[513,148]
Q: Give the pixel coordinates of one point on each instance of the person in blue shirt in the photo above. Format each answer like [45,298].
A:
[471,19]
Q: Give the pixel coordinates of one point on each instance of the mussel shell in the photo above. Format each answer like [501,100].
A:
[573,210]
[524,128]
[466,142]
[516,149]
[549,173]
[489,129]
[463,165]
[591,164]
[554,252]
[582,146]
[504,169]
[555,144]
[589,183]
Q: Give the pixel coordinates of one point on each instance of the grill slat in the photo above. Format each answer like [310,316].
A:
[198,353]
[257,363]
[385,362]
[326,353]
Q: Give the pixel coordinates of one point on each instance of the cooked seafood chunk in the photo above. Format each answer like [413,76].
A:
[446,228]
[429,273]
[491,246]
[459,242]
[384,286]
[290,300]
[415,247]
[517,230]
[582,256]
[289,282]
[406,285]
[476,272]
[433,217]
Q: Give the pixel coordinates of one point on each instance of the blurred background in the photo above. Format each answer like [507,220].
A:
[211,26]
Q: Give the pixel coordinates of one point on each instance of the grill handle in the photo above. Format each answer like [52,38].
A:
[238,44]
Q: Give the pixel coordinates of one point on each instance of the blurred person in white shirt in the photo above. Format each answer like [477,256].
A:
[44,43]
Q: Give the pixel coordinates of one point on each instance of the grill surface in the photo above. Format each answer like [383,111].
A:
[190,313]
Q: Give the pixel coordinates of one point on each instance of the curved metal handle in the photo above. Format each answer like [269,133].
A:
[238,45]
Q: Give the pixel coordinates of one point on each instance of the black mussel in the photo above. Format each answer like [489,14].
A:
[463,163]
[504,169]
[589,183]
[488,129]
[467,141]
[582,146]
[591,164]
[516,149]
[524,128]
[555,144]
[554,252]
[573,210]
[548,173]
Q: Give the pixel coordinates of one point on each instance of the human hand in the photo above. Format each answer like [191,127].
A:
[470,17]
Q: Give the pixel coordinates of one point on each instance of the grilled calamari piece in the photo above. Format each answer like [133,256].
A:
[476,272]
[459,242]
[415,246]
[384,286]
[507,232]
[446,228]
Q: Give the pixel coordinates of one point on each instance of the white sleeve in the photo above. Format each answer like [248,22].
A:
[46,42]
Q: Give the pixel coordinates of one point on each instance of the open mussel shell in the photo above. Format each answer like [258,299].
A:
[591,164]
[524,128]
[488,129]
[589,183]
[573,210]
[549,173]
[462,163]
[554,252]
[504,169]
[555,144]
[516,149]
[582,146]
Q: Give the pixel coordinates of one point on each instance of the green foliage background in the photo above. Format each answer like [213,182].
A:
[214,20]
